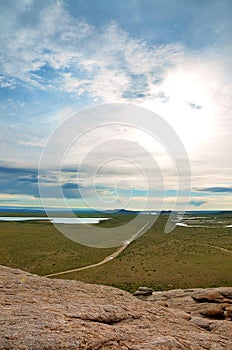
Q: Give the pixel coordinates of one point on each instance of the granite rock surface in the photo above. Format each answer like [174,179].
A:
[50,314]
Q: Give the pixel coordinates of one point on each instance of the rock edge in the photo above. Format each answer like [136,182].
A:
[41,313]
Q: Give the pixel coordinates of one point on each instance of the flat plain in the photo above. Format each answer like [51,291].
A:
[197,255]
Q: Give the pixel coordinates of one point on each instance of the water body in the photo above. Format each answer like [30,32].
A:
[202,223]
[55,220]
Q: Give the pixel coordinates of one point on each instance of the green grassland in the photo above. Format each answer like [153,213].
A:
[188,257]
[39,248]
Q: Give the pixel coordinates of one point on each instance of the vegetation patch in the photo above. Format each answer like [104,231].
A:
[187,258]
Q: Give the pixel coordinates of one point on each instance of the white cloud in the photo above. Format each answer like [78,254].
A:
[104,63]
[107,63]
[44,47]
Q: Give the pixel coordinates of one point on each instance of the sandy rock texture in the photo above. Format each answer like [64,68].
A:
[40,313]
[209,308]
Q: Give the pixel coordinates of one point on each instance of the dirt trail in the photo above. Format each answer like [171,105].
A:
[107,259]
[215,247]
[206,245]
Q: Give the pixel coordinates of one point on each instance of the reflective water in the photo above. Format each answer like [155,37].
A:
[55,220]
[204,221]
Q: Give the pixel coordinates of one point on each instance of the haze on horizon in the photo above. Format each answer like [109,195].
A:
[171,57]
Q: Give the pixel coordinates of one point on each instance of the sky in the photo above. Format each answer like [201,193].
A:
[58,58]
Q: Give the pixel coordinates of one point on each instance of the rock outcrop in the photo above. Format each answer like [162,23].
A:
[40,313]
[209,308]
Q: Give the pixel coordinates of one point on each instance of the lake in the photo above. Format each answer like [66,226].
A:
[55,220]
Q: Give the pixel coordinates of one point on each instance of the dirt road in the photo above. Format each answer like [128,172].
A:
[107,259]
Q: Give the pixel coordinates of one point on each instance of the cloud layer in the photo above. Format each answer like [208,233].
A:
[56,59]
[50,50]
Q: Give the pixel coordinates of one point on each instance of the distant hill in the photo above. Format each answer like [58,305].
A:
[9,209]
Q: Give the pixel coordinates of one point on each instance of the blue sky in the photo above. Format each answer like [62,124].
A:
[171,57]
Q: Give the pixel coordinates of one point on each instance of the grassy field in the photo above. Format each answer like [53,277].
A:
[39,248]
[189,257]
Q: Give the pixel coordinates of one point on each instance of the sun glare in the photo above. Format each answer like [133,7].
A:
[188,106]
